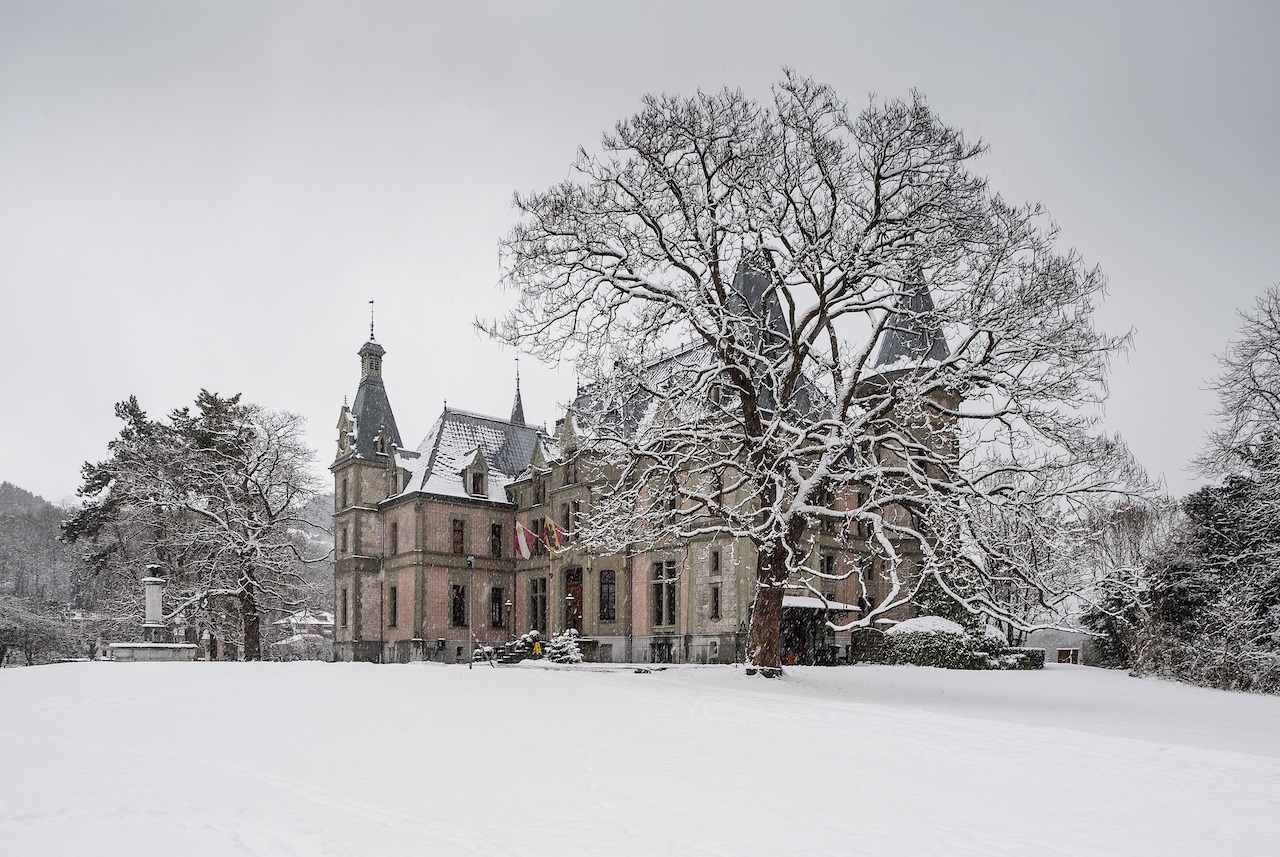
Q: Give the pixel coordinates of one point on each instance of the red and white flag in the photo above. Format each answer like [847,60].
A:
[525,540]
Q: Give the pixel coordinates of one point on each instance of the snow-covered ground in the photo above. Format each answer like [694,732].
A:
[101,759]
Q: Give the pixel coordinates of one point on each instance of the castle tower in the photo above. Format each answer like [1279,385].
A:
[364,474]
[912,348]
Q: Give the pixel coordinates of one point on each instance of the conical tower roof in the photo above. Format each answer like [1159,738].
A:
[912,336]
[371,410]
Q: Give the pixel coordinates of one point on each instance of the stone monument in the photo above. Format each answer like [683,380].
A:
[155,645]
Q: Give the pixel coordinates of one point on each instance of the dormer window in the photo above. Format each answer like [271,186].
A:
[475,476]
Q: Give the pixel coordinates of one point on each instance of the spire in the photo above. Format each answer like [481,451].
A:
[517,407]
[912,335]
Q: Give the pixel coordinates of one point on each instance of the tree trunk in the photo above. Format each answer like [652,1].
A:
[764,640]
[252,623]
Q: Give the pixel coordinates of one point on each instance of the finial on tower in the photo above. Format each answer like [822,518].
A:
[371,321]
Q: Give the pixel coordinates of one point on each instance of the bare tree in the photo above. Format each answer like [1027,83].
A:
[215,498]
[791,315]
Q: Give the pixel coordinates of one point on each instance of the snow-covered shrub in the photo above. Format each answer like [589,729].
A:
[1022,659]
[931,641]
[302,647]
[563,648]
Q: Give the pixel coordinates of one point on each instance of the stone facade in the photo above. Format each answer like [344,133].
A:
[425,549]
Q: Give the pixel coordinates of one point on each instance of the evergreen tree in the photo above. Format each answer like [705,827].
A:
[563,648]
[216,497]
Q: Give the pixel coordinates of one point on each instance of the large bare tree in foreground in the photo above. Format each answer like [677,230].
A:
[792,315]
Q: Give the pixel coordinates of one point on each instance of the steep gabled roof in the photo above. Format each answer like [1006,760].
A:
[456,440]
[756,311]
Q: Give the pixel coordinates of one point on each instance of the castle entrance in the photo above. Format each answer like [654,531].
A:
[573,599]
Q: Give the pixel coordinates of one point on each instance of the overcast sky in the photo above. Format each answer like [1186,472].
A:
[208,194]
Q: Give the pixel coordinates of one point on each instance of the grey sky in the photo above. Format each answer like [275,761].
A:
[207,194]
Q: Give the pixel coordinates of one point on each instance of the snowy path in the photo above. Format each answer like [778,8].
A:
[353,759]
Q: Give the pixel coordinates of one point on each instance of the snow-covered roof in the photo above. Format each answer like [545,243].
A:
[926,625]
[810,602]
[452,445]
[306,617]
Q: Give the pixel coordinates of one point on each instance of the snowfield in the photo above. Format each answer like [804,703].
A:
[103,759]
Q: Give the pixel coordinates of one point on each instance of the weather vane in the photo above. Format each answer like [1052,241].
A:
[370,319]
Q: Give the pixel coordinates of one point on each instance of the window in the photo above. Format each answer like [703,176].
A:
[566,519]
[477,484]
[539,491]
[826,499]
[827,565]
[539,546]
[343,541]
[715,562]
[395,538]
[861,527]
[393,607]
[571,469]
[715,602]
[665,592]
[576,518]
[458,607]
[344,492]
[458,542]
[495,540]
[345,607]
[608,595]
[495,607]
[538,604]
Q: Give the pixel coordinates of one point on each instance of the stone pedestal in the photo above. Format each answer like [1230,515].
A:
[155,645]
[155,633]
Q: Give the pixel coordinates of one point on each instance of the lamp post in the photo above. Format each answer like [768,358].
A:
[510,630]
[568,613]
[471,636]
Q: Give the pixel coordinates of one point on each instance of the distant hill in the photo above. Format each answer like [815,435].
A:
[34,564]
[16,501]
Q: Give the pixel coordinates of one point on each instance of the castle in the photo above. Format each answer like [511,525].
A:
[470,538]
